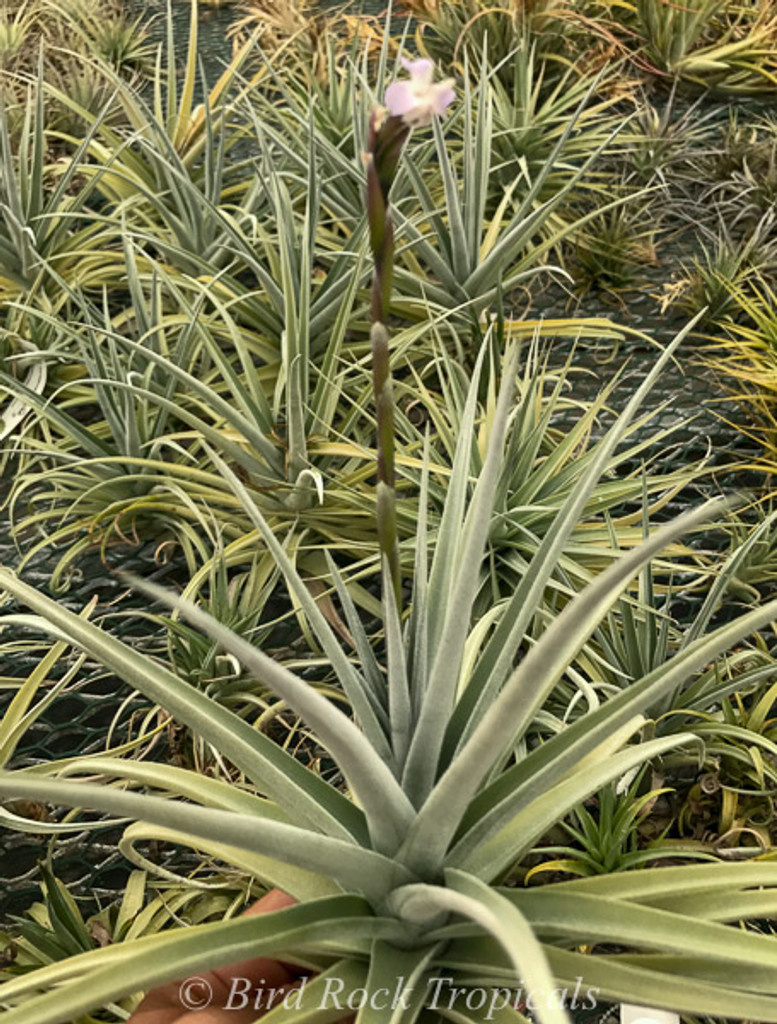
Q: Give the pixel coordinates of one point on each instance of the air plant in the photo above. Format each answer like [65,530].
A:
[710,43]
[16,28]
[745,357]
[614,245]
[607,833]
[399,871]
[110,35]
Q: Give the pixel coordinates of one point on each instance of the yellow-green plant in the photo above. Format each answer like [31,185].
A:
[609,252]
[607,836]
[108,34]
[460,30]
[745,357]
[712,43]
[168,385]
[459,252]
[16,27]
[56,927]
[46,243]
[543,464]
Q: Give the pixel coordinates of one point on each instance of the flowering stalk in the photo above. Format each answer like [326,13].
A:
[409,104]
[387,136]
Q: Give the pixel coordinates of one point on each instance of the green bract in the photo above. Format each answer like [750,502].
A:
[445,789]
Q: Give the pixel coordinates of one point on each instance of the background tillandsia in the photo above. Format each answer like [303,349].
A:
[744,353]
[711,43]
[542,464]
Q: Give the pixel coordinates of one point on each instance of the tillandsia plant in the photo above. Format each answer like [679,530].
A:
[492,216]
[453,31]
[711,43]
[549,443]
[398,871]
[744,354]
[606,835]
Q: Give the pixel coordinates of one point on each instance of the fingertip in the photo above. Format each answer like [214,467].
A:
[270,902]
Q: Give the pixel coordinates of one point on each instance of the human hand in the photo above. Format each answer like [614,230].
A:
[163,1005]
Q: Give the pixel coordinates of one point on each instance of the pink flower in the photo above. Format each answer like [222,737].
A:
[418,99]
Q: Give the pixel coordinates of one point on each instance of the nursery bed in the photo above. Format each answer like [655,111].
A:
[689,400]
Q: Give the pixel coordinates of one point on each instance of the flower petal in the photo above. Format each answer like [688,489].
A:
[418,99]
[399,98]
[421,69]
[443,97]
